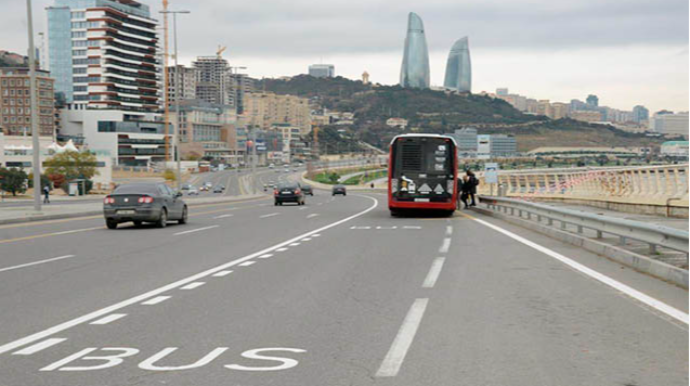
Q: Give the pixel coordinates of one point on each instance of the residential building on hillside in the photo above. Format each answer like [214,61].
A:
[322,70]
[459,67]
[670,124]
[592,100]
[559,110]
[15,102]
[103,54]
[415,71]
[400,123]
[203,130]
[676,149]
[264,110]
[640,115]
[585,116]
[466,138]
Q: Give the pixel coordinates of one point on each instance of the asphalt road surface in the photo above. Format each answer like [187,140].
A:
[336,292]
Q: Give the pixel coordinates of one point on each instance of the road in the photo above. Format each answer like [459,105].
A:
[332,293]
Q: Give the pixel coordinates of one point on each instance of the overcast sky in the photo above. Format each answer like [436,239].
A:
[627,52]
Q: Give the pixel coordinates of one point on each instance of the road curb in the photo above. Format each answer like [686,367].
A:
[633,260]
[100,211]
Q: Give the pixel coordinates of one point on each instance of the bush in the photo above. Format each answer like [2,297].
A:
[57,179]
[169,175]
[13,180]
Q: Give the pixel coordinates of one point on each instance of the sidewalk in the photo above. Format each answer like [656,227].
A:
[14,215]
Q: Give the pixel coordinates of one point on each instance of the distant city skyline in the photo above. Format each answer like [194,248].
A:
[628,53]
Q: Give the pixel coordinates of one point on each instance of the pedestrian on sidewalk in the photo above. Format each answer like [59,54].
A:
[473,182]
[464,190]
[46,195]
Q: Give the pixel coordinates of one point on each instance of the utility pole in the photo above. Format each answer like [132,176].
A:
[176,150]
[166,107]
[254,161]
[34,110]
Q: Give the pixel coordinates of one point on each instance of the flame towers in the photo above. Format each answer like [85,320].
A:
[415,66]
[459,67]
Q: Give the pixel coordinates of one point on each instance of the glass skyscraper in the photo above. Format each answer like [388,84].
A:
[415,65]
[459,67]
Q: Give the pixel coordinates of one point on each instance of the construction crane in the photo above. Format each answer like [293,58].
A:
[220,50]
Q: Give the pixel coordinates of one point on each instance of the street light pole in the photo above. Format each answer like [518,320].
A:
[176,143]
[34,110]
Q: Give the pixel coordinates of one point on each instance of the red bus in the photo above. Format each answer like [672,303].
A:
[422,173]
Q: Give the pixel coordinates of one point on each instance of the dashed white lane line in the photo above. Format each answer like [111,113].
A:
[312,215]
[281,249]
[294,244]
[449,230]
[266,256]
[39,346]
[316,235]
[434,272]
[307,239]
[35,263]
[108,319]
[269,215]
[445,246]
[156,300]
[304,208]
[223,216]
[196,230]
[247,263]
[191,286]
[28,339]
[222,273]
[396,354]
[412,227]
[633,293]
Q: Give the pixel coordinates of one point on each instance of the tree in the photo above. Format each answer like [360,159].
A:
[13,180]
[72,165]
[57,179]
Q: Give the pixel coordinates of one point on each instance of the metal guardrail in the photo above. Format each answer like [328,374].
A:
[653,235]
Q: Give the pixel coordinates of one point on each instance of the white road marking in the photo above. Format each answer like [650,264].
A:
[396,354]
[434,271]
[449,230]
[294,244]
[281,249]
[247,263]
[147,296]
[266,256]
[412,227]
[196,230]
[222,273]
[191,286]
[387,228]
[312,215]
[39,346]
[150,302]
[307,239]
[108,319]
[633,293]
[35,263]
[74,231]
[304,208]
[224,216]
[318,235]
[360,227]
[445,246]
[269,215]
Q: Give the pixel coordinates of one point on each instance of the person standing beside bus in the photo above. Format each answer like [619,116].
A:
[473,182]
[464,190]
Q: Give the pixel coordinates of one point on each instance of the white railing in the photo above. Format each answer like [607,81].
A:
[665,185]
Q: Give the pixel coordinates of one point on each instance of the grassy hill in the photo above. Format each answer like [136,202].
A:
[441,112]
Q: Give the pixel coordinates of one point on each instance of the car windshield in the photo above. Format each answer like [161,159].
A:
[137,189]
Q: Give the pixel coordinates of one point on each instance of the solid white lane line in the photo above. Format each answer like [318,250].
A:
[108,319]
[39,346]
[396,354]
[221,273]
[196,230]
[266,256]
[247,263]
[281,249]
[434,271]
[269,215]
[150,302]
[224,216]
[75,231]
[449,230]
[35,263]
[445,246]
[150,294]
[191,286]
[633,293]
[312,215]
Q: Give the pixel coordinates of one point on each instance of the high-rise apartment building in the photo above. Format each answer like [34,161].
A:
[185,77]
[415,65]
[640,115]
[670,124]
[213,82]
[240,85]
[466,139]
[459,67]
[322,70]
[15,102]
[103,54]
[592,100]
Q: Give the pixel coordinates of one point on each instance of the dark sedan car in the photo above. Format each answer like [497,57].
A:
[339,189]
[288,192]
[307,190]
[144,202]
[219,189]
